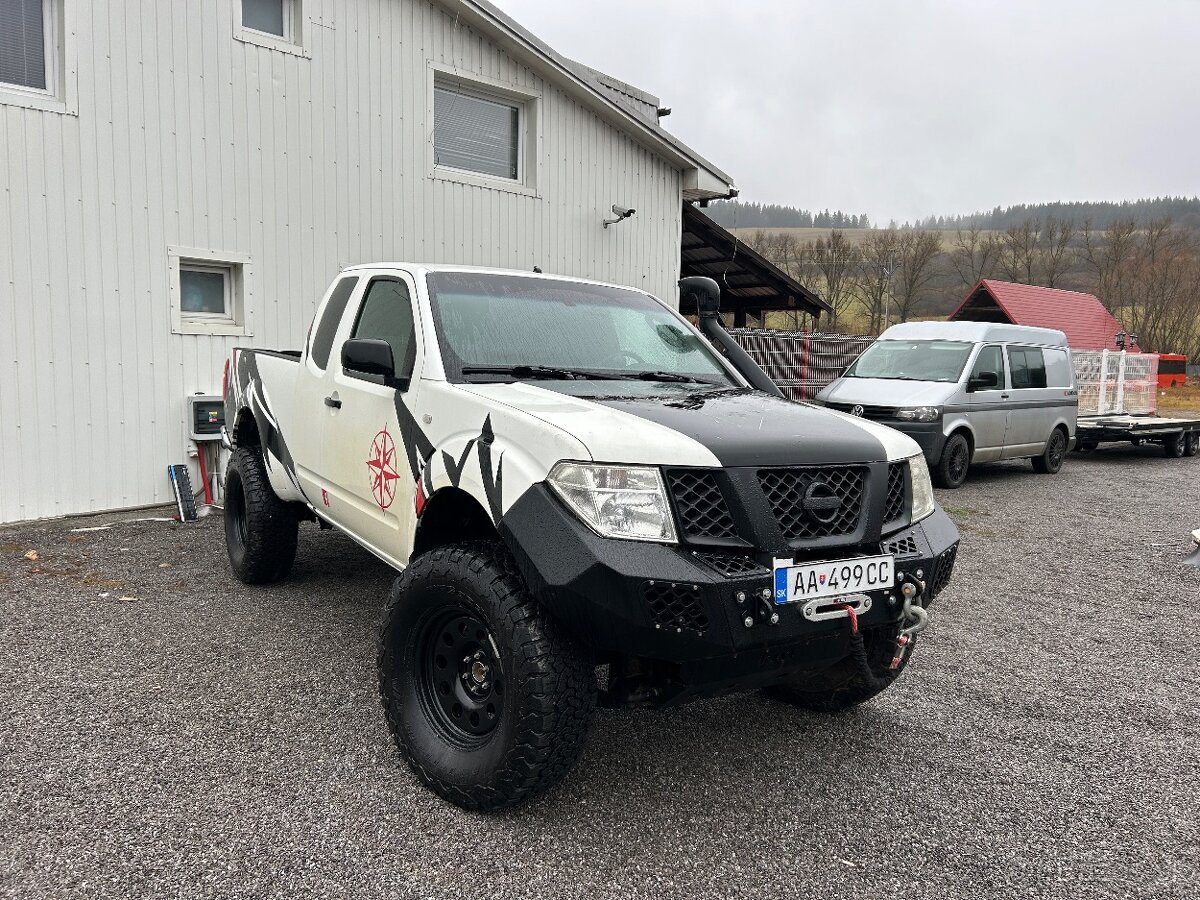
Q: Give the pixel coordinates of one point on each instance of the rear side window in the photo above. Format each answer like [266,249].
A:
[1027,366]
[989,360]
[323,340]
[1058,368]
[386,315]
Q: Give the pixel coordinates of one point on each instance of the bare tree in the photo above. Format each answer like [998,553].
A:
[833,262]
[1057,255]
[917,251]
[877,266]
[975,254]
[1019,251]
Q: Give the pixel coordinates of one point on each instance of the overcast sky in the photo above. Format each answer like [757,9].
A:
[902,109]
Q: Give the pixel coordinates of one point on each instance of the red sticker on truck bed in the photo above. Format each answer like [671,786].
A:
[381,468]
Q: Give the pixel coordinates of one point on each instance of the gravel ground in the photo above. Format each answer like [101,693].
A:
[209,739]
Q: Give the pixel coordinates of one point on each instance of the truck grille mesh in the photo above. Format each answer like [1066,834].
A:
[785,488]
[675,605]
[732,566]
[901,546]
[701,506]
[943,568]
[894,508]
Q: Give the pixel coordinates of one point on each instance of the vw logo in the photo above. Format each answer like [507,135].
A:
[821,503]
[856,410]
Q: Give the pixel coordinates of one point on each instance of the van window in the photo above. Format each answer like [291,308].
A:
[323,339]
[912,361]
[1027,367]
[1058,367]
[989,360]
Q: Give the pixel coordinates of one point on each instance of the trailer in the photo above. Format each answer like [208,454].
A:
[1178,437]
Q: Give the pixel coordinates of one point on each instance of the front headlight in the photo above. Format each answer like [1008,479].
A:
[626,502]
[919,413]
[922,487]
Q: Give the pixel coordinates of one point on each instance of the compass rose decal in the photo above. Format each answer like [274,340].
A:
[381,469]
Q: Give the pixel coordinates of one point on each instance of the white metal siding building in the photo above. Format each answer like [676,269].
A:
[174,181]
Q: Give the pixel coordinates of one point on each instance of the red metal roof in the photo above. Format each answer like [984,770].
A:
[1082,317]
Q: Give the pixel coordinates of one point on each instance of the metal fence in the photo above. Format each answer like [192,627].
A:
[801,362]
[1112,383]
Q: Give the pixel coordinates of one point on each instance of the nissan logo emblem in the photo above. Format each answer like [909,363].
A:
[856,410]
[821,503]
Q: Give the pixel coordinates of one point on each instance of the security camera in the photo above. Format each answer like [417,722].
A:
[621,212]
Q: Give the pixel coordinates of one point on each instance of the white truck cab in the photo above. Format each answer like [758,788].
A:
[568,475]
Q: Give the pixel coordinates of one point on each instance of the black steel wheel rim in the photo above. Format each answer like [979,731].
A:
[958,462]
[461,682]
[1057,447]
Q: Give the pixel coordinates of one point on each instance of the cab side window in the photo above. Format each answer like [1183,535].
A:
[322,342]
[1028,367]
[989,360]
[386,315]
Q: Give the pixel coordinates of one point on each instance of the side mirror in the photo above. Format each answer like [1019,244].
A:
[371,360]
[704,292]
[983,381]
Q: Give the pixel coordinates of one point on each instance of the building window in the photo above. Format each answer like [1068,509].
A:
[275,24]
[208,291]
[205,291]
[27,44]
[477,132]
[269,16]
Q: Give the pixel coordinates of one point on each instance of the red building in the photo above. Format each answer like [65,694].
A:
[1082,317]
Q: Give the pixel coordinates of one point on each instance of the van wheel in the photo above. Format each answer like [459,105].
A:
[487,700]
[1174,446]
[1052,457]
[260,529]
[1191,443]
[951,469]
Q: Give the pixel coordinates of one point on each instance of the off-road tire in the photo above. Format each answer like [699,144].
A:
[842,686]
[951,469]
[549,691]
[1051,460]
[1191,443]
[260,529]
[1174,446]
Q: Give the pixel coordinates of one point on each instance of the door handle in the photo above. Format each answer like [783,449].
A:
[333,403]
[1002,397]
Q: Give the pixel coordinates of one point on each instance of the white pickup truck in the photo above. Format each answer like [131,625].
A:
[577,488]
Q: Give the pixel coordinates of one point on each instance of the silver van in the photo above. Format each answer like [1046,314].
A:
[967,392]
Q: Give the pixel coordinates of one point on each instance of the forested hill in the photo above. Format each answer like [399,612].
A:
[1184,211]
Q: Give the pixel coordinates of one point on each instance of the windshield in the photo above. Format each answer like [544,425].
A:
[912,361]
[561,330]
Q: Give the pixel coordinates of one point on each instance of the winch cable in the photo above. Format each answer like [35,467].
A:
[858,648]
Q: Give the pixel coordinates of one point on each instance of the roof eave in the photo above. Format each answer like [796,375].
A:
[702,180]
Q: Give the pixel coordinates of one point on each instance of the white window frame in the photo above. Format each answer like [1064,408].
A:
[295,30]
[59,93]
[529,138]
[236,269]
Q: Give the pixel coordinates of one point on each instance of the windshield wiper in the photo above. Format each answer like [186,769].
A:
[528,371]
[668,376]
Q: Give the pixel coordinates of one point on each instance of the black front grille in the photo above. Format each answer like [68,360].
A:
[894,508]
[785,490]
[701,506]
[901,546]
[943,568]
[868,412]
[732,566]
[675,605]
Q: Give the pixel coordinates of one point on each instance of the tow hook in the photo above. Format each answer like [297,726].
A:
[913,620]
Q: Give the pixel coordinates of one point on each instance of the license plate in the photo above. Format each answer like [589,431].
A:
[794,584]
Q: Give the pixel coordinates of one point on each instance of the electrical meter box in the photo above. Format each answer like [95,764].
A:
[206,415]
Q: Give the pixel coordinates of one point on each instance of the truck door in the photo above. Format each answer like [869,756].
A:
[1032,411]
[366,469]
[988,405]
[314,384]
